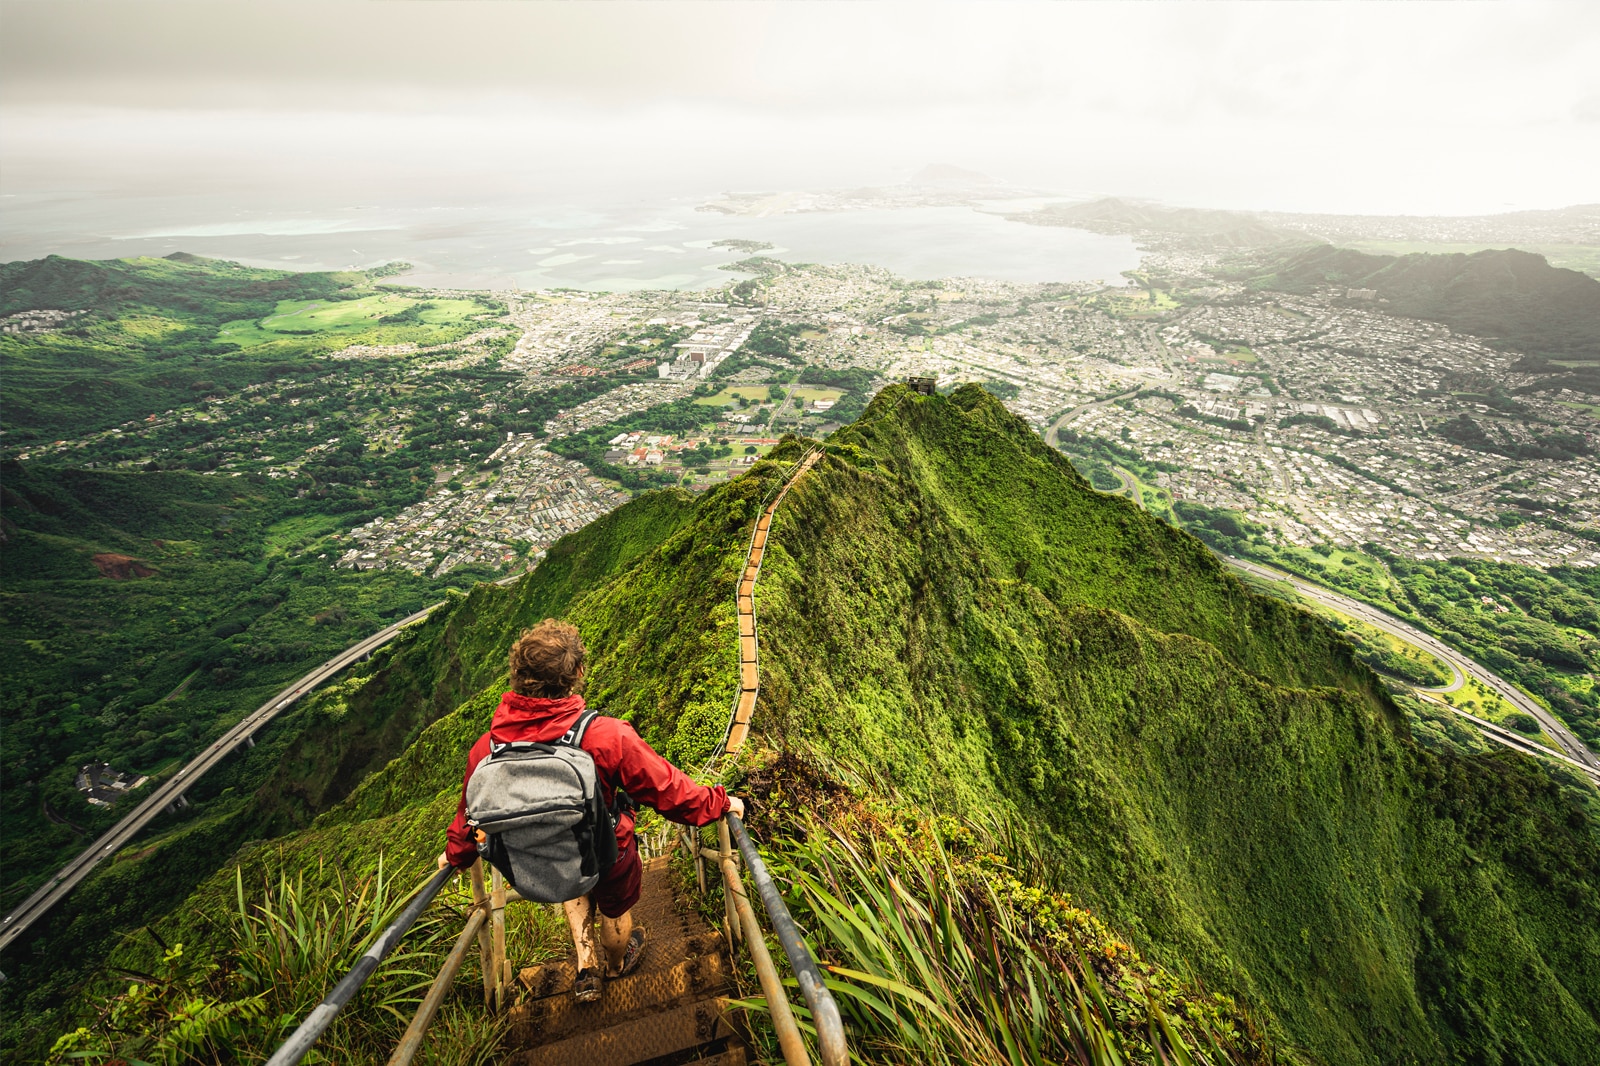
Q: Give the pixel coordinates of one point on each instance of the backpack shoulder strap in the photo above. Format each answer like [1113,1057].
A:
[573,737]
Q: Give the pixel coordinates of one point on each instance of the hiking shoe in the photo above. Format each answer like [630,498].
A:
[586,989]
[635,954]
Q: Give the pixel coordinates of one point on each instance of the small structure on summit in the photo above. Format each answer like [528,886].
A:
[922,385]
[104,785]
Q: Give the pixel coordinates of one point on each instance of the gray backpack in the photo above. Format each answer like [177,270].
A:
[543,823]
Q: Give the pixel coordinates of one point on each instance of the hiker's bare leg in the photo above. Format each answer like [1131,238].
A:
[580,920]
[614,934]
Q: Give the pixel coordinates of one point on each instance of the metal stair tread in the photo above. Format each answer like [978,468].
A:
[551,1018]
[649,1036]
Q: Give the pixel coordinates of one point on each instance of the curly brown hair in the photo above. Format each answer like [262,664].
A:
[547,661]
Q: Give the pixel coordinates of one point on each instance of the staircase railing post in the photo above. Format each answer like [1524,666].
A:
[730,917]
[480,898]
[411,1042]
[497,896]
[699,862]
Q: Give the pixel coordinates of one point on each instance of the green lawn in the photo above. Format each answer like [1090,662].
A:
[294,534]
[809,393]
[343,317]
[732,394]
[1381,637]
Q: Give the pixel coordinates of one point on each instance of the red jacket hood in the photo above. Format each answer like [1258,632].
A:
[530,718]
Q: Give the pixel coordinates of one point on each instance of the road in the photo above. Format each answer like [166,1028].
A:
[1130,486]
[1052,436]
[171,790]
[1575,751]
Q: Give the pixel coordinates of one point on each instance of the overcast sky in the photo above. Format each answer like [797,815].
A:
[1420,108]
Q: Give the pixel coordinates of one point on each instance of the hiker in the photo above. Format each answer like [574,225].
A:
[545,706]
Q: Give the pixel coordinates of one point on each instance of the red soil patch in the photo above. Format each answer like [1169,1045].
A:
[120,567]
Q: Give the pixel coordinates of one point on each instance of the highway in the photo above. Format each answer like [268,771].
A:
[1052,436]
[172,789]
[1573,749]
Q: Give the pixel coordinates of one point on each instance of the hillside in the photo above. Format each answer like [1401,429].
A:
[949,612]
[134,336]
[1512,297]
[311,759]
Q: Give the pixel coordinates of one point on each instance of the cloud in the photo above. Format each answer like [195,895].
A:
[1347,106]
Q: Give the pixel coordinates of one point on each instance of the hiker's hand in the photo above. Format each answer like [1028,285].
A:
[443,861]
[736,806]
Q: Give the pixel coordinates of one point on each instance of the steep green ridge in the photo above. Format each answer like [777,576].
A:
[946,606]
[1217,775]
[308,760]
[1510,296]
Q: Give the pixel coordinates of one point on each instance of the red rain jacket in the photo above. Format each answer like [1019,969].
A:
[622,761]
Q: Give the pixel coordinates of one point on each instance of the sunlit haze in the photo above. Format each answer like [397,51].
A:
[1425,108]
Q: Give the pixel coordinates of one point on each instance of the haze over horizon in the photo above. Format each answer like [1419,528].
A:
[1425,109]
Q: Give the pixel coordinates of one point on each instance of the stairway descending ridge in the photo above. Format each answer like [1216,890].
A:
[668,1012]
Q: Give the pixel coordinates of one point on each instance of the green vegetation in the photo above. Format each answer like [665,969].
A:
[151,329]
[1233,792]
[770,345]
[1322,422]
[1386,653]
[1584,257]
[733,394]
[954,622]
[1559,445]
[1511,296]
[945,956]
[856,384]
[147,612]
[310,760]
[677,418]
[292,318]
[1544,636]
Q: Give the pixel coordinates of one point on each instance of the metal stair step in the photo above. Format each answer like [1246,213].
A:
[649,1036]
[550,1018]
[555,978]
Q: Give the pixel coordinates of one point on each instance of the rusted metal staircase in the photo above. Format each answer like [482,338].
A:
[672,1011]
[667,1012]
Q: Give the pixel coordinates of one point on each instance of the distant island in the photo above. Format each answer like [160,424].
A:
[739,244]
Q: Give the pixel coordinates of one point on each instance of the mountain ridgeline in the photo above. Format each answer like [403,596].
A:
[949,612]
[1513,297]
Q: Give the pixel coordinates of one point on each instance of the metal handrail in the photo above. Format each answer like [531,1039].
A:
[488,910]
[824,1011]
[294,1049]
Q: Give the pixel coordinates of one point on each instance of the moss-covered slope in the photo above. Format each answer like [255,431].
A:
[947,605]
[956,609]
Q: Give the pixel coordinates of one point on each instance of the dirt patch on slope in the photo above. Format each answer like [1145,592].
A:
[120,567]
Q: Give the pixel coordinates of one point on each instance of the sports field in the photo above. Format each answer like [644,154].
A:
[733,393]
